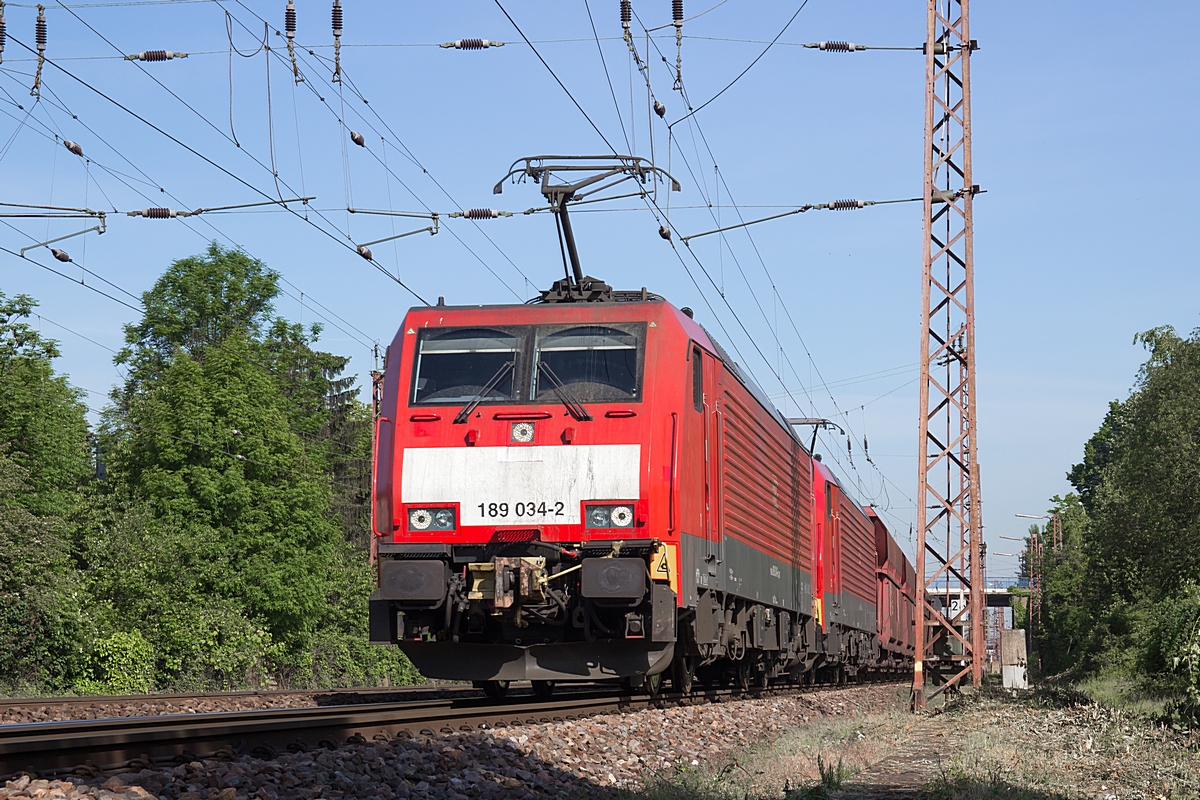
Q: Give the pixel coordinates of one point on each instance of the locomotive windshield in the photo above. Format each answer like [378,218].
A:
[455,365]
[597,364]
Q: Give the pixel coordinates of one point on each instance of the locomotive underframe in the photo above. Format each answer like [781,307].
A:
[542,622]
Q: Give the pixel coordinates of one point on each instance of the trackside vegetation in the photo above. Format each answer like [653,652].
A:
[210,531]
[1121,611]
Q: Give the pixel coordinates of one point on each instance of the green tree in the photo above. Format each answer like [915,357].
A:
[44,464]
[42,417]
[1122,592]
[226,449]
[1064,630]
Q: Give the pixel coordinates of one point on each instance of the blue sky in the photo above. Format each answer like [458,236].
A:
[1084,140]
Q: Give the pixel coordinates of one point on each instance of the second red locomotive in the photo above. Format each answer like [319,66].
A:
[589,490]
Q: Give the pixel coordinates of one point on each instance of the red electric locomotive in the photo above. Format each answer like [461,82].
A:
[588,487]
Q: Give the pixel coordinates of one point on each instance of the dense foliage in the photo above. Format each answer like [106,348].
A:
[1123,592]
[212,532]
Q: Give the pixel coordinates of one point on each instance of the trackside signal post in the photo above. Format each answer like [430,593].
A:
[949,639]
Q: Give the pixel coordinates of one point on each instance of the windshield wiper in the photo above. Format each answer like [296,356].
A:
[465,413]
[573,406]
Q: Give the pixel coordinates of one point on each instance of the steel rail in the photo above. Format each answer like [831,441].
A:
[93,700]
[88,748]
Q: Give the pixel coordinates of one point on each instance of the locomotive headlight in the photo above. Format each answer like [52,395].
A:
[610,516]
[522,432]
[432,519]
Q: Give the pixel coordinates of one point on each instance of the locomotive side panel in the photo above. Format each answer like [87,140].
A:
[857,565]
[766,505]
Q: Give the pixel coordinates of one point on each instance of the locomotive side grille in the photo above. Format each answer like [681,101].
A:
[858,576]
[757,509]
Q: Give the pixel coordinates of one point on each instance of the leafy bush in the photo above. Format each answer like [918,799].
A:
[122,663]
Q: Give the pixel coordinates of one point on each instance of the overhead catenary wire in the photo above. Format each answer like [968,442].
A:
[203,157]
[835,205]
[843,414]
[650,200]
[348,82]
[608,78]
[232,209]
[554,75]
[738,77]
[79,281]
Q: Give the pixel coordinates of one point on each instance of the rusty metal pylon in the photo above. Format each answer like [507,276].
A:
[949,637]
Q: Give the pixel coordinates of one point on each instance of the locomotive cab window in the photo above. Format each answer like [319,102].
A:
[593,363]
[456,365]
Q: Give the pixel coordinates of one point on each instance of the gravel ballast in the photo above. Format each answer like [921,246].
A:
[594,757]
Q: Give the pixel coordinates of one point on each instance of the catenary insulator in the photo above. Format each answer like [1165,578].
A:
[289,27]
[481,213]
[677,16]
[358,139]
[659,108]
[472,44]
[74,148]
[155,55]
[365,252]
[61,255]
[664,232]
[3,32]
[846,205]
[626,14]
[836,47]
[40,35]
[157,213]
[337,41]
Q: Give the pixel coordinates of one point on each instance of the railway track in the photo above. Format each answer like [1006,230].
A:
[88,748]
[250,694]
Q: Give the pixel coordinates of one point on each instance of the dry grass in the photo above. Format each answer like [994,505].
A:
[986,746]
[1068,750]
[808,762]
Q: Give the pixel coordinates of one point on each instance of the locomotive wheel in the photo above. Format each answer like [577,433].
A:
[759,677]
[496,690]
[683,675]
[543,689]
[652,684]
[743,677]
